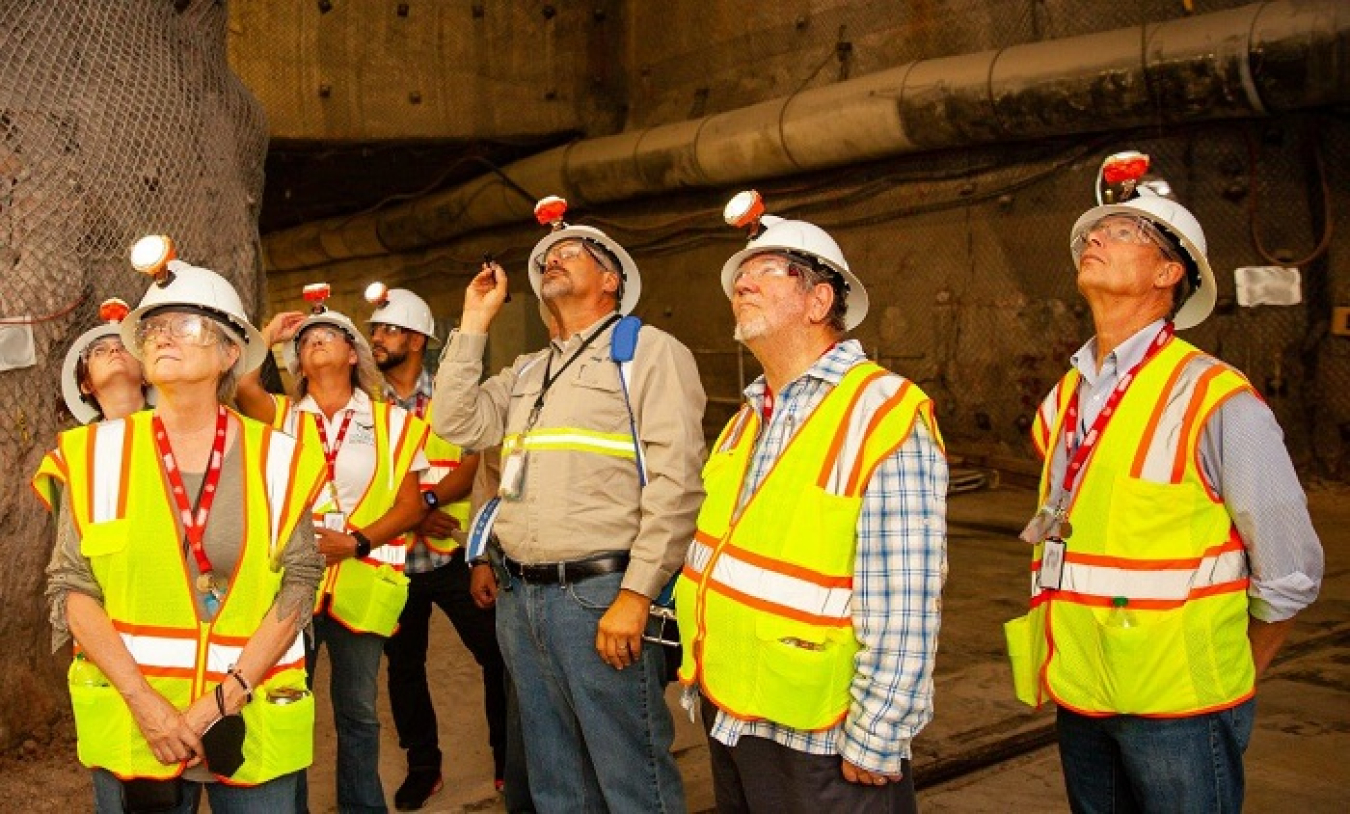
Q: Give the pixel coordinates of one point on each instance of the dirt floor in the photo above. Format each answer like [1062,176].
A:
[983,752]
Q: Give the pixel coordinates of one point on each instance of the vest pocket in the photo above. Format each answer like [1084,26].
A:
[370,598]
[280,731]
[1149,520]
[804,672]
[1025,669]
[1146,663]
[102,539]
[104,726]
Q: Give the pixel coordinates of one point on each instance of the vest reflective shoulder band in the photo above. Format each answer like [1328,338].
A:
[444,458]
[49,478]
[766,598]
[1148,528]
[128,530]
[367,596]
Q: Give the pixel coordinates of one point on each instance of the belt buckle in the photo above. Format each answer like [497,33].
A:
[562,573]
[666,615]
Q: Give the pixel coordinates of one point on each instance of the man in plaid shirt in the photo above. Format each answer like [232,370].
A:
[812,591]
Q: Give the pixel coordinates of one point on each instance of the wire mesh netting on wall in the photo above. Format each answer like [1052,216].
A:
[116,120]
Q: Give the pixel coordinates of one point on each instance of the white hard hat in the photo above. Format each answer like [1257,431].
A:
[800,237]
[203,290]
[1177,223]
[290,351]
[76,401]
[405,309]
[632,281]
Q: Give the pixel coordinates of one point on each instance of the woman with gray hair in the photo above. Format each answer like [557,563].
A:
[373,452]
[185,571]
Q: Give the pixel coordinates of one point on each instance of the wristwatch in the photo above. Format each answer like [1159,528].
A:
[363,545]
[432,501]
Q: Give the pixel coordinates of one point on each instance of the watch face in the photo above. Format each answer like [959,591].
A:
[430,498]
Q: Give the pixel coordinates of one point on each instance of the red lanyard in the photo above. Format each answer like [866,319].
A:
[194,520]
[420,405]
[768,405]
[1078,457]
[330,455]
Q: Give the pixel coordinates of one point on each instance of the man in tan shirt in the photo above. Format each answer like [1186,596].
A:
[592,524]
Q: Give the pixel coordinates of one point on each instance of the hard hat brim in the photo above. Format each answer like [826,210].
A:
[1200,304]
[632,283]
[291,357]
[83,411]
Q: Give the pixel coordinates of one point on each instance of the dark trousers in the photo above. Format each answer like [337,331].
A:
[759,776]
[446,587]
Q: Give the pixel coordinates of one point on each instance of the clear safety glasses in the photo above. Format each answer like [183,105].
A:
[1125,229]
[320,335]
[190,329]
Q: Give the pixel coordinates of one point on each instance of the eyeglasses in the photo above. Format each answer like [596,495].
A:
[1125,230]
[384,328]
[562,252]
[760,268]
[103,348]
[191,329]
[319,335]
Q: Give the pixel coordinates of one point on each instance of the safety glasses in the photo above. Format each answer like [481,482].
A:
[188,329]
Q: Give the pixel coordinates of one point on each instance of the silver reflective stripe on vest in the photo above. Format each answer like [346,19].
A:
[219,657]
[1162,450]
[162,651]
[108,441]
[794,594]
[859,418]
[1173,584]
[281,453]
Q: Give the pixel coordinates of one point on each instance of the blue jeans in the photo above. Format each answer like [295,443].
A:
[354,659]
[1125,763]
[596,739]
[273,797]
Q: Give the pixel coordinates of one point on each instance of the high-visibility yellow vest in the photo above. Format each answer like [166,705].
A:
[1146,527]
[444,458]
[765,599]
[49,479]
[367,595]
[126,521]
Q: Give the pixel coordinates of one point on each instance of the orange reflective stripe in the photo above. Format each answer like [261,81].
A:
[1130,564]
[1141,455]
[1188,423]
[1095,601]
[787,569]
[855,478]
[837,443]
[786,611]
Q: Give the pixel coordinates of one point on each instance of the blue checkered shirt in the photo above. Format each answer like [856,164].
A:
[420,558]
[897,582]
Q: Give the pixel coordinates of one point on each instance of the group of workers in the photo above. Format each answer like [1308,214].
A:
[804,553]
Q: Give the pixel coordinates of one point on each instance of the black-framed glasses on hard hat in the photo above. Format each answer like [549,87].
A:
[193,329]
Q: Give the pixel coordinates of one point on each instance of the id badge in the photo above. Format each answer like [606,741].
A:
[1052,564]
[335,521]
[513,475]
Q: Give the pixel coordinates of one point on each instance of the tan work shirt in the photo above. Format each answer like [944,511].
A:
[575,504]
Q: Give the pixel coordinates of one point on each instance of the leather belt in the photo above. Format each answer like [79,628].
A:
[552,573]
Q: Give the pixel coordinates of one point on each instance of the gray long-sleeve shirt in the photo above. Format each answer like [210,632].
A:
[576,503]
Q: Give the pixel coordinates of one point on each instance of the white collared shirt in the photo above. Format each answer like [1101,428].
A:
[355,465]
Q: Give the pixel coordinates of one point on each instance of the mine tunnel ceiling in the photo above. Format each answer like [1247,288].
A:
[309,181]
